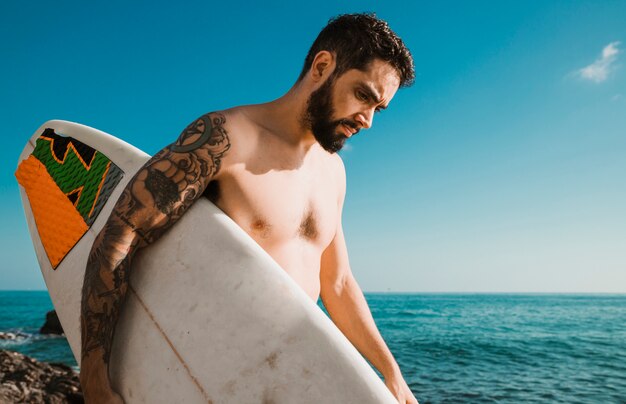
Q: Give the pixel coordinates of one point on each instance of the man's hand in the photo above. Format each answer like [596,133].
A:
[96,385]
[400,389]
[99,391]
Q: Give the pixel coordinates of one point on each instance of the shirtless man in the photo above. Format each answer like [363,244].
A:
[274,170]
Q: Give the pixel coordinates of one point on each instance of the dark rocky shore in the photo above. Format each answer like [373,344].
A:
[26,380]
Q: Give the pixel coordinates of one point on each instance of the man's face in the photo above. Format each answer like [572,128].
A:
[343,105]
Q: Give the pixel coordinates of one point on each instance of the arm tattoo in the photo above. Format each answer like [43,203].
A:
[163,190]
[192,130]
[128,223]
[154,199]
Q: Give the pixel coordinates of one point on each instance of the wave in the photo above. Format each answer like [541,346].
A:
[411,313]
[17,337]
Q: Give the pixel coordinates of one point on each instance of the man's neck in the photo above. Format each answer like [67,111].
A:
[284,117]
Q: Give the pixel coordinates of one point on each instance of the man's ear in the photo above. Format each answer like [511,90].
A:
[322,66]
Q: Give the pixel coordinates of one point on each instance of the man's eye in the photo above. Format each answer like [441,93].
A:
[377,110]
[361,96]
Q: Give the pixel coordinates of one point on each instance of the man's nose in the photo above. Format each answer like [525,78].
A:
[366,118]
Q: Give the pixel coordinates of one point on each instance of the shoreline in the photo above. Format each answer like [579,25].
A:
[25,379]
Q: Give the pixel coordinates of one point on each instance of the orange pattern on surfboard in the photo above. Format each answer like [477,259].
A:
[59,224]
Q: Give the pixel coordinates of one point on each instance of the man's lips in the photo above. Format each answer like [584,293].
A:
[348,129]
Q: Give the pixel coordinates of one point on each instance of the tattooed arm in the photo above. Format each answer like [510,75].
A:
[154,199]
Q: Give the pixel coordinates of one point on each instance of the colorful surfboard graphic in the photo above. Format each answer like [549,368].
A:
[67,183]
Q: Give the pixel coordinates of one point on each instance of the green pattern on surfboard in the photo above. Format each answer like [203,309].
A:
[85,175]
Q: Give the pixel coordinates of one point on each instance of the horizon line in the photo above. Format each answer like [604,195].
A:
[424,292]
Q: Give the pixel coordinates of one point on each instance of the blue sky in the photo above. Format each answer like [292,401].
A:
[503,169]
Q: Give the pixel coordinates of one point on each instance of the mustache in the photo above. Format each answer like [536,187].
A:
[350,123]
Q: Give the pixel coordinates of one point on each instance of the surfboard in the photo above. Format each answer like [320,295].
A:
[209,317]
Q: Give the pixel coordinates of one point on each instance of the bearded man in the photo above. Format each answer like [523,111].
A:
[274,169]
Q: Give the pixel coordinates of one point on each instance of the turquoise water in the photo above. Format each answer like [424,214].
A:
[508,348]
[455,348]
[25,312]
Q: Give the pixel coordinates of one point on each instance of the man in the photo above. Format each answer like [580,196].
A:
[274,170]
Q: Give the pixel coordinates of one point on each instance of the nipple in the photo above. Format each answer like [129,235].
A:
[308,228]
[261,227]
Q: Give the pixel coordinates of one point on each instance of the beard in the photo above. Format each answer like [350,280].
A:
[318,118]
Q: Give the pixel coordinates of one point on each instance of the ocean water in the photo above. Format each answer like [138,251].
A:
[454,348]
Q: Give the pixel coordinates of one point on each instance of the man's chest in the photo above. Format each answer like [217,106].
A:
[280,207]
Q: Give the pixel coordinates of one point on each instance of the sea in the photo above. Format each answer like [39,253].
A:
[452,348]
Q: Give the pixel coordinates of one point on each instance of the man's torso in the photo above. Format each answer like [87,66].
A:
[287,201]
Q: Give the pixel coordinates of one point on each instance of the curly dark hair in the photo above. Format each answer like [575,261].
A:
[356,40]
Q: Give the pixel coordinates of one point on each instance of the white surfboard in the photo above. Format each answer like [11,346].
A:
[209,318]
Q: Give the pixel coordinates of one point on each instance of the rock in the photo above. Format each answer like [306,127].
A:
[52,325]
[26,380]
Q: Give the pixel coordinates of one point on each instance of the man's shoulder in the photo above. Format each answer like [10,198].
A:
[337,171]
[238,123]
[335,162]
[338,161]
[241,134]
[228,119]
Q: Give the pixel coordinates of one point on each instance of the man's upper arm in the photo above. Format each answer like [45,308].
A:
[163,189]
[335,265]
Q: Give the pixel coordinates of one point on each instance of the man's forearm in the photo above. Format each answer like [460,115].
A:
[349,311]
[105,286]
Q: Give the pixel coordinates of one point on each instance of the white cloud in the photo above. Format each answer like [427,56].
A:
[616,97]
[599,70]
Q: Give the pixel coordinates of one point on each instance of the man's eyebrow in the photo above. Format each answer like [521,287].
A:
[372,93]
